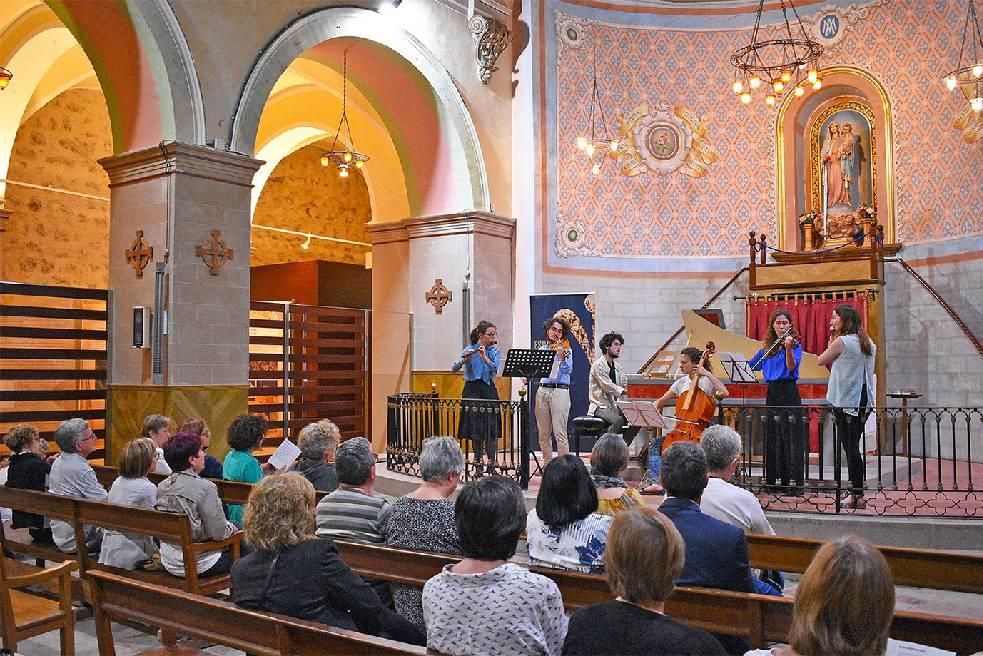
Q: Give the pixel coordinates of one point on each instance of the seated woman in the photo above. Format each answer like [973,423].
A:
[294,573]
[28,470]
[213,468]
[608,459]
[131,488]
[246,433]
[317,443]
[844,605]
[483,604]
[564,530]
[423,520]
[644,556]
[186,492]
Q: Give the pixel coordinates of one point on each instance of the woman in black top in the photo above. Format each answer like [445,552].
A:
[293,573]
[644,555]
[28,471]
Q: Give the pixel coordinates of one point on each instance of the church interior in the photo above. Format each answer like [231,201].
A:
[369,216]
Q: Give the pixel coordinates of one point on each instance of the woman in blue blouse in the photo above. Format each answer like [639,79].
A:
[481,422]
[785,427]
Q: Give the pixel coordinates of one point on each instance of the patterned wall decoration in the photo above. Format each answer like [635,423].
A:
[57,238]
[939,194]
[302,195]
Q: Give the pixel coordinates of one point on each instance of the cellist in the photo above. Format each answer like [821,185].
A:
[698,381]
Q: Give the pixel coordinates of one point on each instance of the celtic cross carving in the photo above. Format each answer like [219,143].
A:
[139,254]
[439,296]
[214,253]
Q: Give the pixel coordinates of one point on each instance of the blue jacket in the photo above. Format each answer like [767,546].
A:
[716,552]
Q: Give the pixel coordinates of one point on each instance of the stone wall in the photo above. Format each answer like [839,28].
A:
[57,238]
[302,195]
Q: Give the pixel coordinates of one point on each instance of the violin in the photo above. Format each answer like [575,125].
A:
[694,407]
[774,348]
[561,348]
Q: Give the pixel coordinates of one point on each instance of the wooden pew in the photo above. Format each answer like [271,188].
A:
[759,618]
[116,598]
[920,568]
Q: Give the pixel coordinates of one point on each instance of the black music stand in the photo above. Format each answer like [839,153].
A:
[530,364]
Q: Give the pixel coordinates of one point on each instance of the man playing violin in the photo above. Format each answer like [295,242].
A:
[779,359]
[553,394]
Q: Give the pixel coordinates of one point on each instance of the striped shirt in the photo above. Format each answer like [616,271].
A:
[352,515]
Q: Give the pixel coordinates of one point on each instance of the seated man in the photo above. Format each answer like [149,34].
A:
[72,476]
[721,498]
[607,384]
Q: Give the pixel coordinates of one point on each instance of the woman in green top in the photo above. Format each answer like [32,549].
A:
[245,434]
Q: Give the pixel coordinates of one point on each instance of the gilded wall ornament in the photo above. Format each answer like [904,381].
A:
[664,142]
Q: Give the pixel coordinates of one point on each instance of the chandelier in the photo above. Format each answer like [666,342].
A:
[5,77]
[347,156]
[969,77]
[599,140]
[789,62]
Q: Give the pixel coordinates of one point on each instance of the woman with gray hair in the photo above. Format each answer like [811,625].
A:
[608,459]
[317,444]
[424,519]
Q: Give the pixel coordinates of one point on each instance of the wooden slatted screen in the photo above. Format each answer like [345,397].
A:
[53,345]
[308,363]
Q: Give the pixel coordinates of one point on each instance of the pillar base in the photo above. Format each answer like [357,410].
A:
[127,405]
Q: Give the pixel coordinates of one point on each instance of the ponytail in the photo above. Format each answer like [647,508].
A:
[479,330]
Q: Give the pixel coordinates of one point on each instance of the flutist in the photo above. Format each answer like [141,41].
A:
[553,394]
[786,422]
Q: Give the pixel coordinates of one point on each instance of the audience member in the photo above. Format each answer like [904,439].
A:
[158,429]
[72,476]
[423,520]
[317,443]
[245,434]
[644,555]
[213,468]
[608,460]
[293,573]
[564,529]
[844,605]
[483,604]
[28,470]
[186,492]
[722,499]
[131,488]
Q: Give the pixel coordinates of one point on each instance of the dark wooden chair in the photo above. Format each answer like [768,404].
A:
[25,615]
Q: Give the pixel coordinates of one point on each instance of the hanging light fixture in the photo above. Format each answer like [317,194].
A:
[968,77]
[346,157]
[789,62]
[599,140]
[5,77]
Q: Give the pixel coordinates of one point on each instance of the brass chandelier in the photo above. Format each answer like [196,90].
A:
[346,157]
[787,63]
[599,139]
[968,77]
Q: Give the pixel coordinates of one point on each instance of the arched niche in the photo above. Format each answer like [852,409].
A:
[845,89]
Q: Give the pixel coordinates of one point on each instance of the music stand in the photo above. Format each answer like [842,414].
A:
[737,368]
[642,413]
[531,364]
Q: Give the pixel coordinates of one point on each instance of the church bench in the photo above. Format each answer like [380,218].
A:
[119,598]
[52,506]
[919,568]
[759,618]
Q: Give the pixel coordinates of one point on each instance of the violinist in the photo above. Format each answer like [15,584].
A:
[779,360]
[553,393]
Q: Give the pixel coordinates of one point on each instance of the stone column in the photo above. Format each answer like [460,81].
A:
[178,195]
[414,345]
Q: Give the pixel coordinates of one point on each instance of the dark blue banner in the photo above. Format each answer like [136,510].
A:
[578,311]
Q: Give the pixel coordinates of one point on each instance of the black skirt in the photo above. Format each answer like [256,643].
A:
[480,421]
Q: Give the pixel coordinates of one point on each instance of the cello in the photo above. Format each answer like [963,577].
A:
[694,407]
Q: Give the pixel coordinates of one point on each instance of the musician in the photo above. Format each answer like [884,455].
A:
[607,384]
[553,393]
[850,355]
[779,360]
[708,385]
[480,361]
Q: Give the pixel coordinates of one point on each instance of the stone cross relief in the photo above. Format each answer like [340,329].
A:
[214,253]
[139,254]
[439,295]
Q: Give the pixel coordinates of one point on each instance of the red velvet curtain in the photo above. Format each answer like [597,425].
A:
[810,316]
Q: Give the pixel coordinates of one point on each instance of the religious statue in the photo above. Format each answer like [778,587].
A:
[846,183]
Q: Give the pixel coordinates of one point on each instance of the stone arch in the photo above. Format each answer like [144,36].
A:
[324,25]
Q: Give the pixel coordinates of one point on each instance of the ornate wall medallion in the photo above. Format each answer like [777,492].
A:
[664,142]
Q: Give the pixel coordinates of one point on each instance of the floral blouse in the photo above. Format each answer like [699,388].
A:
[578,546]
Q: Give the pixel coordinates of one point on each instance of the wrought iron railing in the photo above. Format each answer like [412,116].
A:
[412,418]
[917,461]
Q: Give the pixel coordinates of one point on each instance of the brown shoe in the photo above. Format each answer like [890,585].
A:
[856,503]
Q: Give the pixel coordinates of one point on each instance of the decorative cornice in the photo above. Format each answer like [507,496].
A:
[491,39]
[442,225]
[174,157]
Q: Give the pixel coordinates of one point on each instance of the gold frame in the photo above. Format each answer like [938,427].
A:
[815,168]
[887,208]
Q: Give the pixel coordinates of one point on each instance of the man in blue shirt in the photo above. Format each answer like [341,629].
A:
[553,395]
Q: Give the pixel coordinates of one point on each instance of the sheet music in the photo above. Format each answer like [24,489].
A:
[284,455]
[642,413]
[737,367]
